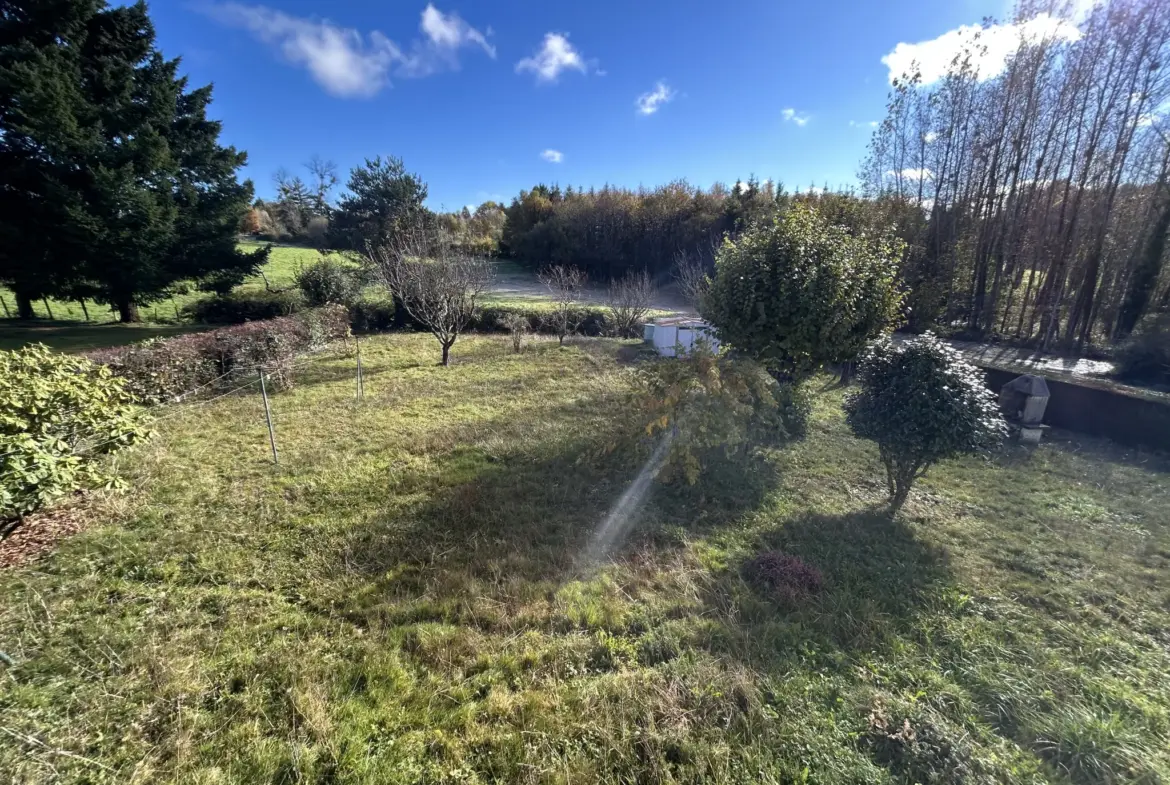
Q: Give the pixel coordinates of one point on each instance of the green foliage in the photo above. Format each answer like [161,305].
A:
[1145,355]
[57,414]
[612,231]
[710,407]
[245,306]
[372,315]
[922,403]
[799,292]
[381,202]
[330,280]
[112,161]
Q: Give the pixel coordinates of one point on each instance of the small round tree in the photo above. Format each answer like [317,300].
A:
[801,292]
[922,403]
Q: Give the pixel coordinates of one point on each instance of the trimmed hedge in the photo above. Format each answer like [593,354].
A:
[168,368]
[239,307]
[591,321]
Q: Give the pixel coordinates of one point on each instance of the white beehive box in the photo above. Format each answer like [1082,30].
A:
[679,335]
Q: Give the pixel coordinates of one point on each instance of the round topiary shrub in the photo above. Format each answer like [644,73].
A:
[799,293]
[922,403]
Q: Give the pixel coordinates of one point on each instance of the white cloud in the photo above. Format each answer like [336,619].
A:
[649,103]
[553,156]
[990,47]
[863,124]
[929,137]
[793,116]
[913,174]
[556,54]
[345,62]
[451,32]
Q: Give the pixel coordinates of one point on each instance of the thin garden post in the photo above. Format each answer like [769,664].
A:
[361,388]
[268,417]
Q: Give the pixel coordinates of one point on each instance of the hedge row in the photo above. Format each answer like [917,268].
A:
[167,368]
[378,315]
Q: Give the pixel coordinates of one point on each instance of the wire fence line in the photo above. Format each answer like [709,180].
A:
[177,407]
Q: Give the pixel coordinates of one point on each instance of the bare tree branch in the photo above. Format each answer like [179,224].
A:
[440,287]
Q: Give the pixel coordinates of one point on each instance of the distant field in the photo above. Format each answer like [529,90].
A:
[281,268]
[67,330]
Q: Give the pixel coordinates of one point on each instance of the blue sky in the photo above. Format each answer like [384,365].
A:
[483,99]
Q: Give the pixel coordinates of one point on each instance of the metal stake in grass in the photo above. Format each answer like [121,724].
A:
[361,388]
[268,417]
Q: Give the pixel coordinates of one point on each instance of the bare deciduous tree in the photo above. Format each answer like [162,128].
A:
[692,269]
[628,302]
[1043,185]
[517,326]
[438,286]
[565,283]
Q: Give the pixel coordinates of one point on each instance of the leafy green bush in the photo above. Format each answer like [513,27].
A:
[164,368]
[799,293]
[238,307]
[330,280]
[372,315]
[1145,355]
[922,403]
[57,414]
[589,321]
[710,406]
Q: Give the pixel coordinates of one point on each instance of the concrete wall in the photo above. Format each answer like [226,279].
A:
[1124,418]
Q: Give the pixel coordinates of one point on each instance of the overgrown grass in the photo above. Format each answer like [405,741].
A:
[409,598]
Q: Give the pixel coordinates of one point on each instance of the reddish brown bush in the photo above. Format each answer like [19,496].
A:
[164,369]
[783,576]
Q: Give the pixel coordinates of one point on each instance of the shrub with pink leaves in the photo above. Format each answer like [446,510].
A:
[163,369]
[783,576]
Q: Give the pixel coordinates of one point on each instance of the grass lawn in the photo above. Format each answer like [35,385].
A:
[412,596]
[60,315]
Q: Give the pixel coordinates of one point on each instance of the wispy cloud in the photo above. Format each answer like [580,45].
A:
[989,47]
[863,123]
[556,54]
[792,116]
[651,102]
[553,156]
[347,63]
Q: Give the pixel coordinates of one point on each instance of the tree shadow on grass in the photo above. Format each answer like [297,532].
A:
[878,577]
[483,518]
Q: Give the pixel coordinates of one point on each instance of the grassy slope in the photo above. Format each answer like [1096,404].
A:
[68,330]
[406,599]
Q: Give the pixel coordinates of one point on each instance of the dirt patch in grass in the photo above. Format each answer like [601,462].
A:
[30,539]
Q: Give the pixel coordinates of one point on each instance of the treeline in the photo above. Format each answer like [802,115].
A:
[1046,189]
[379,199]
[611,231]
